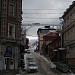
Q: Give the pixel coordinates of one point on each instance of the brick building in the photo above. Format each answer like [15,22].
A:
[10,31]
[47,39]
[43,31]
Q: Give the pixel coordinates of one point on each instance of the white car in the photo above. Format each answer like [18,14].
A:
[32,67]
[28,51]
[29,59]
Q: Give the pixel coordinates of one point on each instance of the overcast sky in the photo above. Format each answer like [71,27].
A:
[44,12]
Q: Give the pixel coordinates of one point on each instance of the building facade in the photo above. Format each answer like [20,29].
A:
[48,38]
[43,31]
[69,33]
[53,50]
[10,32]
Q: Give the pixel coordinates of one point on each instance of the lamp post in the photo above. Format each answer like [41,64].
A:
[61,33]
[61,41]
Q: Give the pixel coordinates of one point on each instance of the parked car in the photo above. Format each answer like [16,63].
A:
[29,58]
[22,64]
[22,56]
[28,51]
[32,67]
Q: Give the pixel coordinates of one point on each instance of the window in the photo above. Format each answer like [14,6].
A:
[10,30]
[4,33]
[3,4]
[11,9]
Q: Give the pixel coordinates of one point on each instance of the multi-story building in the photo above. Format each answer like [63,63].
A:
[43,31]
[0,17]
[53,49]
[48,38]
[69,33]
[10,31]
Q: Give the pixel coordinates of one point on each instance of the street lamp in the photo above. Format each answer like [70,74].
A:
[55,50]
[61,35]
[62,48]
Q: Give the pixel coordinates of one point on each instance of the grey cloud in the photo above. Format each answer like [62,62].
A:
[44,4]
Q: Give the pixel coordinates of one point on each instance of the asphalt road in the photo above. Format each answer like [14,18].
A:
[44,67]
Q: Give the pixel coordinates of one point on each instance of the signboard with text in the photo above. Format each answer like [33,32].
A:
[8,52]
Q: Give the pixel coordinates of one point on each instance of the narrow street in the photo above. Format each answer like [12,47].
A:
[44,66]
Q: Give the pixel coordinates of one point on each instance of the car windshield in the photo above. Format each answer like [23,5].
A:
[28,50]
[32,65]
[29,58]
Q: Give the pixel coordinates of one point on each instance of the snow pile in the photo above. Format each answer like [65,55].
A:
[52,65]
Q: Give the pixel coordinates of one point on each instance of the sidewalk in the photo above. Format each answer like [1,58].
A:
[9,72]
[53,66]
[48,66]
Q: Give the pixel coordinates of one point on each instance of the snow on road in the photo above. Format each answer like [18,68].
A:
[45,67]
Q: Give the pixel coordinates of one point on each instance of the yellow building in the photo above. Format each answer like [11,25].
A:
[41,32]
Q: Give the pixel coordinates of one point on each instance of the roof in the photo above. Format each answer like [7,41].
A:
[45,30]
[68,10]
[52,34]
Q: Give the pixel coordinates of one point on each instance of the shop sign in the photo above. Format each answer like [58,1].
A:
[8,49]
[7,54]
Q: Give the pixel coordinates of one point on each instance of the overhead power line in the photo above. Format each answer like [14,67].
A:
[27,21]
[31,35]
[42,13]
[43,9]
[38,24]
[39,18]
[61,0]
